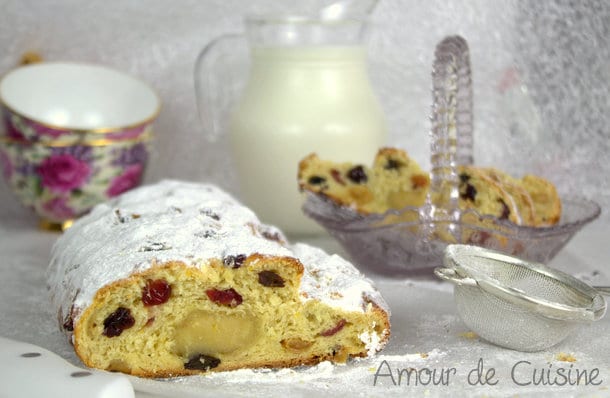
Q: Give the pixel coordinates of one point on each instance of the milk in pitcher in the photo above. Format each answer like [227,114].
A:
[299,100]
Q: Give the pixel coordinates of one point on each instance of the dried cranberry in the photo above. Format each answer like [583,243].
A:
[234,261]
[202,362]
[156,292]
[357,175]
[337,176]
[270,279]
[228,297]
[118,321]
[335,329]
[316,180]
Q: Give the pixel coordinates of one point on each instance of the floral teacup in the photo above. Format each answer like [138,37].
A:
[75,135]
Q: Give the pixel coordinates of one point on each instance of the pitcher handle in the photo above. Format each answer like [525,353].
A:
[214,94]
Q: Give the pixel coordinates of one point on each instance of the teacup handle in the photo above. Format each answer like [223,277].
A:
[216,82]
[452,121]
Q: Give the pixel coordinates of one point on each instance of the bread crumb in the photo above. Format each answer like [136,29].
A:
[423,355]
[469,335]
[30,57]
[562,356]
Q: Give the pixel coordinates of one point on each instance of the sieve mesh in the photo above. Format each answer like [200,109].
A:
[508,325]
[531,282]
[515,304]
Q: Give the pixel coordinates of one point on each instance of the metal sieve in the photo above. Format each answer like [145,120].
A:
[517,304]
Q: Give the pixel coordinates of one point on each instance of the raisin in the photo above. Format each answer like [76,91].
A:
[119,216]
[357,175]
[393,164]
[68,324]
[202,362]
[234,261]
[227,298]
[470,193]
[275,236]
[270,279]
[337,176]
[335,329]
[316,180]
[464,177]
[205,234]
[505,210]
[154,247]
[209,213]
[119,320]
[156,292]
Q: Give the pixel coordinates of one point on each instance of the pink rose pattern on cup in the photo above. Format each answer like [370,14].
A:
[62,183]
[63,173]
[129,179]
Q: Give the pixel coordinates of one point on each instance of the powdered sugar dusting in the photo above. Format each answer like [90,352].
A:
[187,222]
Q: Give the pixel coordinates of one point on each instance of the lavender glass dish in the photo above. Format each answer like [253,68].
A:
[412,240]
[381,246]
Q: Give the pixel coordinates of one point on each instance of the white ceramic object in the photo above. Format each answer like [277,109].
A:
[78,96]
[31,371]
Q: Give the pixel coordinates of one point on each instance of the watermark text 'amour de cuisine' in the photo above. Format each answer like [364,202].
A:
[522,373]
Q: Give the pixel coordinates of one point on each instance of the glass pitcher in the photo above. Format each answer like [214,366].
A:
[307,90]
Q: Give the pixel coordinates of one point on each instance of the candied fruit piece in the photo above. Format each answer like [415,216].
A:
[337,176]
[156,292]
[419,181]
[335,329]
[202,362]
[228,297]
[119,320]
[270,279]
[295,344]
[357,175]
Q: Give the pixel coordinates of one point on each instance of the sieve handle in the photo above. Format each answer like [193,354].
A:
[449,274]
[605,290]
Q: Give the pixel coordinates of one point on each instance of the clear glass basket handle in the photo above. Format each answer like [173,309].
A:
[452,120]
[221,71]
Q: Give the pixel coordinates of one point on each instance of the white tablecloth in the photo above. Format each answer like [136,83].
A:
[427,335]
